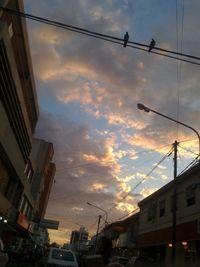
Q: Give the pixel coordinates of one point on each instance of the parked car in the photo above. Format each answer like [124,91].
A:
[3,255]
[119,259]
[59,257]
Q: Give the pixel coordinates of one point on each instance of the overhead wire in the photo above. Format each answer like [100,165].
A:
[187,167]
[188,150]
[60,197]
[143,179]
[105,37]
[179,63]
[85,164]
[123,217]
[191,164]
[177,69]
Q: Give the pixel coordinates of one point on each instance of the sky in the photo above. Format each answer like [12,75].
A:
[106,150]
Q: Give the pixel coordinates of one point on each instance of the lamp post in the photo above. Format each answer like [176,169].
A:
[147,109]
[174,201]
[106,214]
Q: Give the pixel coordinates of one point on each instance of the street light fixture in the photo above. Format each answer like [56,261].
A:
[147,109]
[106,214]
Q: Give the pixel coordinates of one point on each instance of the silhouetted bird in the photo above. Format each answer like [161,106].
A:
[152,44]
[126,38]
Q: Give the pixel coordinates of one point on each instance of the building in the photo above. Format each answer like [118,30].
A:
[18,117]
[79,239]
[44,171]
[124,236]
[149,231]
[43,177]
[156,220]
[25,183]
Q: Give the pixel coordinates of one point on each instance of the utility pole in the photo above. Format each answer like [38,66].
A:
[95,244]
[174,208]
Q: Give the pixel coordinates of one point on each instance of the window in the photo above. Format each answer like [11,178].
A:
[25,207]
[29,171]
[151,213]
[4,178]
[190,195]
[10,30]
[162,208]
[174,207]
[14,192]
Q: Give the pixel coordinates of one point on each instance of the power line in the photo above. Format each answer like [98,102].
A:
[123,217]
[139,183]
[105,37]
[79,166]
[188,150]
[191,164]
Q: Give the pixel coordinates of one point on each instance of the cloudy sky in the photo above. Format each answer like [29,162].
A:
[88,90]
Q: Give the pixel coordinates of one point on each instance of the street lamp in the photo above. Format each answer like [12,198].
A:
[147,109]
[106,214]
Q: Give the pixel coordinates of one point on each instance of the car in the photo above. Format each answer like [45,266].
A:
[3,255]
[119,259]
[59,257]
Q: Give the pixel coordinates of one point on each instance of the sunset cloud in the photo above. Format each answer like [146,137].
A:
[88,90]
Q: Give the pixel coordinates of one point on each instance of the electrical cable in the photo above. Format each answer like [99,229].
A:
[148,174]
[123,217]
[85,164]
[104,37]
[177,70]
[191,164]
[188,150]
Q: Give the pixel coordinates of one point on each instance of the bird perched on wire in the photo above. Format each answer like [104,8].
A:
[152,44]
[126,38]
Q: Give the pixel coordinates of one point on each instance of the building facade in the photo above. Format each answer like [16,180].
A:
[156,223]
[20,197]
[18,117]
[149,232]
[78,240]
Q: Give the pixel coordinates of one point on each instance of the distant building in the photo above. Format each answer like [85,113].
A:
[44,171]
[124,235]
[79,239]
[74,237]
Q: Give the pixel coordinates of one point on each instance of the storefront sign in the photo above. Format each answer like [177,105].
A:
[50,224]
